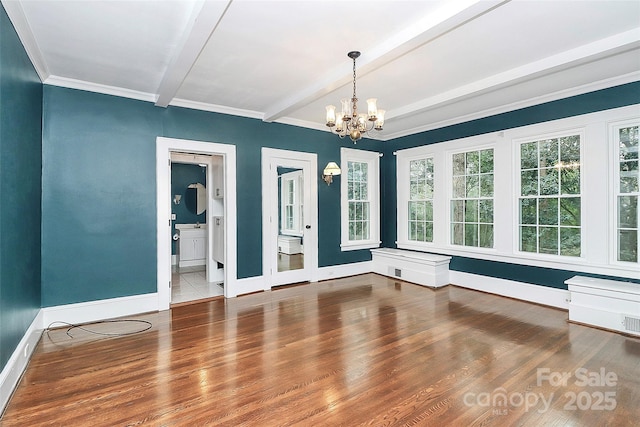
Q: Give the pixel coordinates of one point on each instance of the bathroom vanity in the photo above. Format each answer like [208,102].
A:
[192,247]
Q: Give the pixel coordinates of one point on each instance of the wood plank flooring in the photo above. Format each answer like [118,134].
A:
[365,350]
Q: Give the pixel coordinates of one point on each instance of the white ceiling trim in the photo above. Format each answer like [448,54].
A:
[195,105]
[427,29]
[99,88]
[579,90]
[204,20]
[19,20]
[615,44]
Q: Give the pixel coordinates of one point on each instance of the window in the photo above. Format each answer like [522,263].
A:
[420,205]
[626,192]
[360,199]
[472,199]
[291,211]
[549,203]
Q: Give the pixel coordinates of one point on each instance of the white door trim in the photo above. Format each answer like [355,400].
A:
[270,158]
[164,147]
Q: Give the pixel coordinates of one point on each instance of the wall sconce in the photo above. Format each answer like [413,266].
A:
[177,198]
[331,170]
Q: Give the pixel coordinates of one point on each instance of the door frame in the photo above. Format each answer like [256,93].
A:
[164,147]
[271,158]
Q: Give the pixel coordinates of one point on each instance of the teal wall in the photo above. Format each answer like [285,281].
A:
[20,189]
[614,97]
[98,197]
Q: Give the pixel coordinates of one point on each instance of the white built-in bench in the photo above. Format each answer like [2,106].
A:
[608,304]
[417,267]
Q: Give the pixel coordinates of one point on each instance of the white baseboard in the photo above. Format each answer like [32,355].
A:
[538,294]
[18,361]
[345,270]
[99,310]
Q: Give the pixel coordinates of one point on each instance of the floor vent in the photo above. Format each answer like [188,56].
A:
[631,324]
[397,272]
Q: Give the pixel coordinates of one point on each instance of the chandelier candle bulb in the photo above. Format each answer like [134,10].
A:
[331,115]
[372,109]
[346,109]
[379,120]
[339,121]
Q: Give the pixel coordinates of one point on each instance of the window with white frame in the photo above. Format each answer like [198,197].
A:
[550,196]
[360,197]
[627,193]
[471,204]
[291,207]
[420,204]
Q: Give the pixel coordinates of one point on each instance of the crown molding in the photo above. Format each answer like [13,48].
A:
[99,88]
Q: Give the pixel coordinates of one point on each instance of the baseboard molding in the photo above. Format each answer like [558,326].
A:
[99,310]
[345,270]
[552,297]
[17,363]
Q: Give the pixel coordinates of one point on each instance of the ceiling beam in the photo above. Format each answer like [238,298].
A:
[609,46]
[204,20]
[432,26]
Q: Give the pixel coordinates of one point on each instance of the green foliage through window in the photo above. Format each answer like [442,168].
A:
[472,199]
[549,202]
[628,195]
[358,199]
[421,200]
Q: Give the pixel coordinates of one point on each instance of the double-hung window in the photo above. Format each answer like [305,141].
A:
[360,194]
[472,198]
[627,193]
[420,204]
[549,203]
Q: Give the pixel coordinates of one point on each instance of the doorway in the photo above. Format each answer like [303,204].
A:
[227,155]
[290,217]
[197,217]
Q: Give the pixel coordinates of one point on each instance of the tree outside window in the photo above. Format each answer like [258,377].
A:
[550,202]
[472,199]
[628,194]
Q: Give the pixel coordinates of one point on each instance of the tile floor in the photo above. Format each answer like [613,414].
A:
[192,285]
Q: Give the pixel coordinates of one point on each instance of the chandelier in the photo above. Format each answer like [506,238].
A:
[349,122]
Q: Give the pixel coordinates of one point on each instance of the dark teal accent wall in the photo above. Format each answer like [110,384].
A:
[619,96]
[20,189]
[99,208]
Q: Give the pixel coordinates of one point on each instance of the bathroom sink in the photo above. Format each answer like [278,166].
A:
[190,226]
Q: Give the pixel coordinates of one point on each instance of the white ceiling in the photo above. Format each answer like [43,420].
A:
[430,63]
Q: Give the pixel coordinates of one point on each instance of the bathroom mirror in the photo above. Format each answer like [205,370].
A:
[196,198]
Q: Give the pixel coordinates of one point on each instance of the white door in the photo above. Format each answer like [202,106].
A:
[290,219]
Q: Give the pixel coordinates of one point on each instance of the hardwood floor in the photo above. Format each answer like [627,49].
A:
[364,350]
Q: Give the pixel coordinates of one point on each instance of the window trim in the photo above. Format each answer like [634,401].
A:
[372,158]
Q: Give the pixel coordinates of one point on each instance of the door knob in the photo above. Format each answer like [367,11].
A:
[308,227]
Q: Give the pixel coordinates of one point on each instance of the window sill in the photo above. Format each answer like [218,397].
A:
[358,246]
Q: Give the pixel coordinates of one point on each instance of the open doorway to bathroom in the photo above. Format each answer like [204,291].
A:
[226,153]
[197,216]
